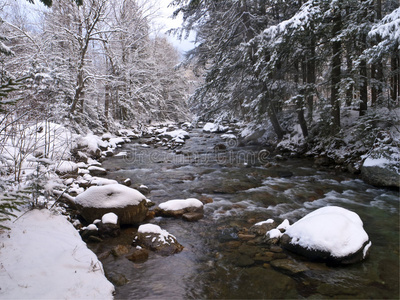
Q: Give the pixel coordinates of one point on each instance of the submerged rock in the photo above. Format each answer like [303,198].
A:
[331,234]
[289,266]
[138,255]
[128,204]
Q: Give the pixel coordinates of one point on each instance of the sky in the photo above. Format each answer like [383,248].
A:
[164,21]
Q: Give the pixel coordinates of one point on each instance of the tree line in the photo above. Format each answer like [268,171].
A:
[261,58]
[90,63]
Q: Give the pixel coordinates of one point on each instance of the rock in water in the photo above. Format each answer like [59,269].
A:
[376,173]
[179,207]
[151,236]
[331,234]
[128,204]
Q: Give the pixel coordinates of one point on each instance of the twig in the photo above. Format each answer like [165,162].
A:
[59,197]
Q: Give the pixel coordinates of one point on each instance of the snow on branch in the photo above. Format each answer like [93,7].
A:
[388,28]
[300,21]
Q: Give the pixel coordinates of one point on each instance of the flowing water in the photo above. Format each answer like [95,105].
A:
[217,262]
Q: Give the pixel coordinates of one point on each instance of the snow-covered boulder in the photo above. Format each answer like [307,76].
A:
[97,171]
[92,144]
[153,237]
[66,167]
[175,134]
[181,207]
[381,172]
[128,204]
[331,234]
[214,128]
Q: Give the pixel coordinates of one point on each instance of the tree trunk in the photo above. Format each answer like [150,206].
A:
[78,91]
[349,66]
[363,87]
[395,78]
[302,120]
[376,69]
[311,79]
[274,121]
[335,75]
[300,103]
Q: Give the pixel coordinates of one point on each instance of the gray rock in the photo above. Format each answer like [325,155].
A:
[262,229]
[382,177]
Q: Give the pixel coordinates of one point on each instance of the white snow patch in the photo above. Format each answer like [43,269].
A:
[269,221]
[284,225]
[228,136]
[67,167]
[44,257]
[213,127]
[274,233]
[179,204]
[376,162]
[109,218]
[333,229]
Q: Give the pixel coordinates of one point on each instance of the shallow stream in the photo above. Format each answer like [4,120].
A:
[217,262]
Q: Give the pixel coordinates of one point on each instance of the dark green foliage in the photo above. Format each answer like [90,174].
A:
[9,202]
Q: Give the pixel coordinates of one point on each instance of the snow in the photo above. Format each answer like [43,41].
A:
[66,167]
[269,221]
[274,233]
[376,162]
[175,134]
[284,225]
[228,136]
[388,28]
[95,168]
[90,227]
[53,139]
[163,235]
[213,127]
[109,218]
[109,196]
[91,142]
[179,204]
[332,229]
[44,257]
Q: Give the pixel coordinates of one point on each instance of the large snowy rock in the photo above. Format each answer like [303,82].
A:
[381,172]
[153,237]
[332,234]
[128,204]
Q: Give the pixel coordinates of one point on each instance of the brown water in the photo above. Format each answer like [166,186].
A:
[216,263]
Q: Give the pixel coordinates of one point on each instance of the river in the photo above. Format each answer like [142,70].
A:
[247,185]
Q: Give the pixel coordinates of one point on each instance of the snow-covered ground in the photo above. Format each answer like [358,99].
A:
[44,257]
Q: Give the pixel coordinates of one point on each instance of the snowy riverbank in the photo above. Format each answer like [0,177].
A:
[44,257]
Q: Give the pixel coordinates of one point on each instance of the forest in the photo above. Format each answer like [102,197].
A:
[266,63]
[89,65]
